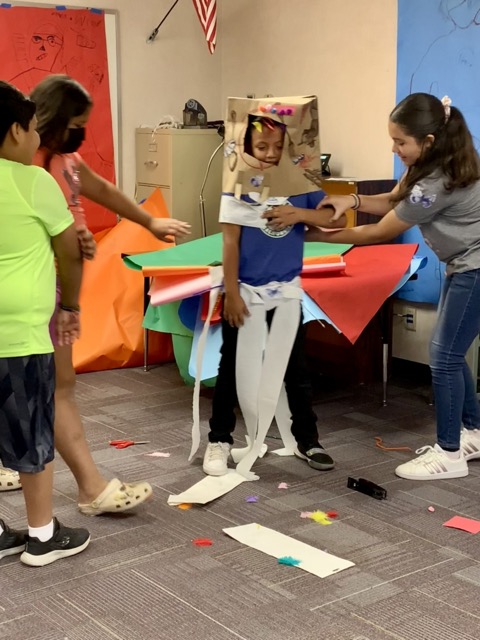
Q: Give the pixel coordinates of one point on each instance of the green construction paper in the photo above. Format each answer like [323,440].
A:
[166,320]
[205,251]
[317,249]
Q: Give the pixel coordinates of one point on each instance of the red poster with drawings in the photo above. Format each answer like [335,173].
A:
[35,42]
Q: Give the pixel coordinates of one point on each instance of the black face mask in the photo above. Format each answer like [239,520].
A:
[74,140]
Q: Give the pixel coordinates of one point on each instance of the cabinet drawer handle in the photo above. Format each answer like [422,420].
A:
[151,163]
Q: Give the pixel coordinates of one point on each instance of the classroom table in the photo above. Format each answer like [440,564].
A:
[348,300]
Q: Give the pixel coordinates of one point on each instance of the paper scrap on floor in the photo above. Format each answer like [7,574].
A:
[465,524]
[278,545]
[208,489]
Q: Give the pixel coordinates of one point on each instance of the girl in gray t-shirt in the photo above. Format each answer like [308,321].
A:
[439,192]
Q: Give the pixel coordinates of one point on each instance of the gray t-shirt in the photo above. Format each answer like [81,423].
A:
[449,221]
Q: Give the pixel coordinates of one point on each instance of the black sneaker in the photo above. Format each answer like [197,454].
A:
[316,456]
[65,542]
[11,541]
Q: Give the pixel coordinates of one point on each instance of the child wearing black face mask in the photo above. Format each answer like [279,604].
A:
[74,140]
[63,108]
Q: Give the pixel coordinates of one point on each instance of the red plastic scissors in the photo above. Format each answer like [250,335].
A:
[123,444]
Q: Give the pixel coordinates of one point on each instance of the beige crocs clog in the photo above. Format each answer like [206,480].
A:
[9,480]
[117,497]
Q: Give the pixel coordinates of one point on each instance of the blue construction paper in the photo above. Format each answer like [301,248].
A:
[211,355]
[188,311]
[417,263]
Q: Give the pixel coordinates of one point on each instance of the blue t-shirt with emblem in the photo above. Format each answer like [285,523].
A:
[275,256]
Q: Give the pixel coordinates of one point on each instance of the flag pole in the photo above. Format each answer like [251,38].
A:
[154,33]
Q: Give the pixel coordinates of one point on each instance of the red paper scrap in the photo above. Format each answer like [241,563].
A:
[464,524]
[202,542]
[332,514]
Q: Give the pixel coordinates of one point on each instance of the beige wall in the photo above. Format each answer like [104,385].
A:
[342,50]
[158,79]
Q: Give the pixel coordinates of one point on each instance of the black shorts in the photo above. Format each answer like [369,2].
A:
[27,387]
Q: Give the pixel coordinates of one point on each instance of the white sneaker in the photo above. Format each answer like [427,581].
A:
[9,480]
[470,443]
[432,464]
[216,458]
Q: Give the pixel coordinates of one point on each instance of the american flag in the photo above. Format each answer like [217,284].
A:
[207,14]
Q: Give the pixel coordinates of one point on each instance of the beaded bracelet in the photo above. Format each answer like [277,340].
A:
[357,201]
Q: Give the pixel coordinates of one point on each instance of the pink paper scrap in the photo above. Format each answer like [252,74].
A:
[464,524]
[306,514]
[283,485]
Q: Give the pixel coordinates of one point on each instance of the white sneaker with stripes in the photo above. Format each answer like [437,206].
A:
[433,464]
[470,443]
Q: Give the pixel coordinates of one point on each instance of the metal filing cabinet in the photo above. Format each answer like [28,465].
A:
[175,160]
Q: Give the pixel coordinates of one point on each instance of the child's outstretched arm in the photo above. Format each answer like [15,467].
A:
[286,215]
[389,227]
[234,307]
[102,192]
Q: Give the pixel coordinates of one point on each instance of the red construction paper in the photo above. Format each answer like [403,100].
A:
[369,279]
[36,42]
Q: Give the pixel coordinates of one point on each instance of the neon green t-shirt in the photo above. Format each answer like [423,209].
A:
[32,210]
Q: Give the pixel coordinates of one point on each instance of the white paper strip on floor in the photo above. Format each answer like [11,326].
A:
[208,489]
[278,545]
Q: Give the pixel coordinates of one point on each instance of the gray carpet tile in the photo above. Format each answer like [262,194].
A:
[142,578]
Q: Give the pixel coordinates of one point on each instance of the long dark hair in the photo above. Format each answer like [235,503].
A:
[59,98]
[452,152]
[14,108]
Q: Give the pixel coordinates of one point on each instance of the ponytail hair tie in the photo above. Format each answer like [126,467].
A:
[447,103]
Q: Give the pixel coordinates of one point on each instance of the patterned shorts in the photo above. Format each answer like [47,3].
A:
[27,387]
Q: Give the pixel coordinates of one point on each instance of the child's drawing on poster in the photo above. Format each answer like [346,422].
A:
[35,42]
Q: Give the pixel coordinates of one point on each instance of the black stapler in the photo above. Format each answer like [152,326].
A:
[368,488]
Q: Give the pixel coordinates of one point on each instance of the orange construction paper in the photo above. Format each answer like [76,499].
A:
[166,272]
[112,300]
[322,259]
[370,277]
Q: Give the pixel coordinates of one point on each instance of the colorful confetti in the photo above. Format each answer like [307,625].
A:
[431,509]
[283,485]
[320,517]
[251,499]
[306,514]
[332,514]
[184,506]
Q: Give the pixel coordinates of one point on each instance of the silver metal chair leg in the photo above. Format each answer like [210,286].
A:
[385,373]
[145,349]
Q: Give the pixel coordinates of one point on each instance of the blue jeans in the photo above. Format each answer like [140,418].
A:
[458,324]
